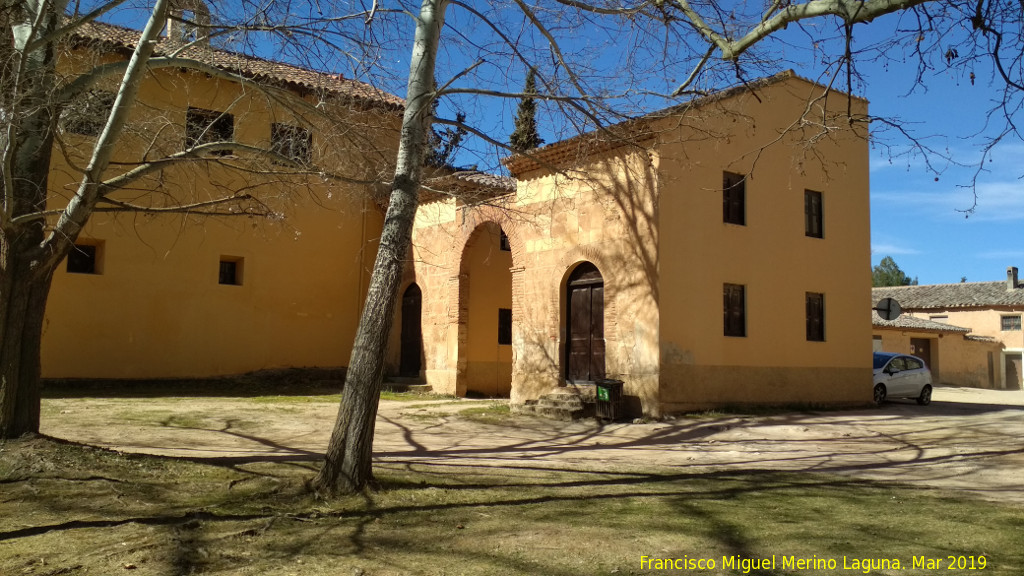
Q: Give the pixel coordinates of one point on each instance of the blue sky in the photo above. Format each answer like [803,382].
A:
[917,202]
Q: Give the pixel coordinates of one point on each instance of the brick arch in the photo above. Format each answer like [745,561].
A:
[474,217]
[473,220]
[610,274]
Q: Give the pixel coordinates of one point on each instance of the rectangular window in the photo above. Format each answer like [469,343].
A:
[735,309]
[940,318]
[734,196]
[504,326]
[1010,323]
[292,142]
[813,218]
[503,241]
[84,259]
[87,114]
[815,317]
[208,126]
[230,273]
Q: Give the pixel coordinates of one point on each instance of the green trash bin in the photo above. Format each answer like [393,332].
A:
[608,394]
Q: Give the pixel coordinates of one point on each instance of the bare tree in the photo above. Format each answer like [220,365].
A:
[59,78]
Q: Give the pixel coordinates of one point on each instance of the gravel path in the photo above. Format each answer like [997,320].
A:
[968,439]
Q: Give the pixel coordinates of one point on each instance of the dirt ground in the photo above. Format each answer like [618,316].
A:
[968,439]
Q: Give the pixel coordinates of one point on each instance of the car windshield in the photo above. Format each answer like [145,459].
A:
[880,361]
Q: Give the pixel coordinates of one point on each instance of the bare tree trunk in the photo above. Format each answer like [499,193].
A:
[348,463]
[22,306]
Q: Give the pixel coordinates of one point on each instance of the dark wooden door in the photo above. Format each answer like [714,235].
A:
[412,335]
[922,349]
[585,325]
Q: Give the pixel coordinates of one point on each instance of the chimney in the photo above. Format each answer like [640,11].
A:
[188,21]
[1011,278]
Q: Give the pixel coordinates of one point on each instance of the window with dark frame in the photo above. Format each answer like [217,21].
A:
[1010,323]
[503,242]
[87,114]
[208,126]
[505,326]
[734,195]
[230,273]
[813,215]
[735,309]
[292,142]
[815,317]
[82,259]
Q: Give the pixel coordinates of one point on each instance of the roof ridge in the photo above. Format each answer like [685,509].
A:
[275,69]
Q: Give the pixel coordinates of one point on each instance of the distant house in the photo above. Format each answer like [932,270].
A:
[970,333]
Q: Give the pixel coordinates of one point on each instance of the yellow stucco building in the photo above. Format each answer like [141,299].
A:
[709,254]
[163,292]
[706,255]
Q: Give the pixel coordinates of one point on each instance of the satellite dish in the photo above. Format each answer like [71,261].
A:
[888,309]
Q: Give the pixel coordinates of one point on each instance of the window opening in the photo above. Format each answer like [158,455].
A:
[292,142]
[209,126]
[734,192]
[735,309]
[813,215]
[505,326]
[815,317]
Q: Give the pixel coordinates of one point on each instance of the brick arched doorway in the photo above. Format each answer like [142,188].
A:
[412,332]
[584,329]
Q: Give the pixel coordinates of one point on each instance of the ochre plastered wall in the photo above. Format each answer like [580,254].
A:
[156,310]
[770,255]
[648,215]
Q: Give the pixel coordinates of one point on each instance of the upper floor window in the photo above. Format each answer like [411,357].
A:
[734,309]
[813,218]
[940,318]
[734,194]
[207,126]
[1010,323]
[815,317]
[292,142]
[87,114]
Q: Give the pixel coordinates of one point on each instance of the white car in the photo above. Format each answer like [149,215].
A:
[902,376]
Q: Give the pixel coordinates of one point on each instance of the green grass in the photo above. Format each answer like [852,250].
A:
[76,510]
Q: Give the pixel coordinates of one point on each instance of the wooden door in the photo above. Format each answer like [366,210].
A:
[585,325]
[412,336]
[922,348]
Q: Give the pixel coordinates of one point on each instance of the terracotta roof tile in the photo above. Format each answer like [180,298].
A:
[962,295]
[249,66]
[911,323]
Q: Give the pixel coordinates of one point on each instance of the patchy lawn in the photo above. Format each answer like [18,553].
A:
[70,509]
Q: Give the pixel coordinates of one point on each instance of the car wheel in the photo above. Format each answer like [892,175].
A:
[926,396]
[880,394]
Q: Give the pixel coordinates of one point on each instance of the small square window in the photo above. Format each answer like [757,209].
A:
[813,215]
[735,309]
[734,198]
[292,142]
[1010,323]
[503,242]
[208,126]
[505,326]
[230,271]
[84,259]
[815,317]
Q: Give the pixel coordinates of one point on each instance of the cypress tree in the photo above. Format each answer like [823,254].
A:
[525,136]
